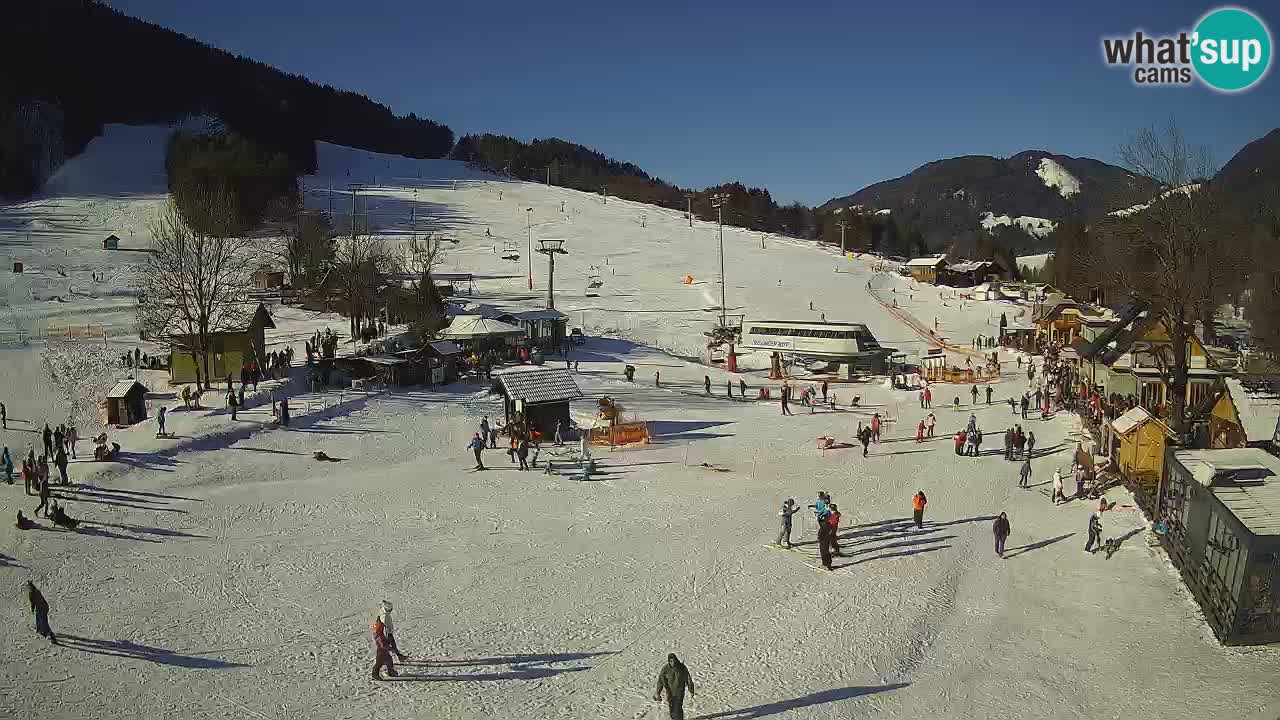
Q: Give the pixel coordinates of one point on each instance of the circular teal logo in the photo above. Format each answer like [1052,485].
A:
[1231,49]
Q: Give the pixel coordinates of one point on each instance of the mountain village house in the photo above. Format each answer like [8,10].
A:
[926,269]
[240,342]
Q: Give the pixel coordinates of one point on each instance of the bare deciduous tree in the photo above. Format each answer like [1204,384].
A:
[193,286]
[304,249]
[426,305]
[1179,256]
[358,274]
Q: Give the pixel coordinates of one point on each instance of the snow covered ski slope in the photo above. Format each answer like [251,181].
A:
[226,573]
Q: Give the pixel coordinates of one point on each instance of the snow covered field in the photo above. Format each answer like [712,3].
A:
[228,574]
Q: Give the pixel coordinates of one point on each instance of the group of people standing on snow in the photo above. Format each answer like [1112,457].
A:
[1018,444]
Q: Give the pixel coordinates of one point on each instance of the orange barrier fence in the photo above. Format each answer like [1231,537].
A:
[621,434]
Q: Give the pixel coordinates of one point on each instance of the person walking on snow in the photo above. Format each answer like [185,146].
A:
[918,501]
[42,487]
[920,432]
[974,392]
[4,416]
[932,421]
[824,392]
[61,461]
[706,383]
[57,440]
[389,630]
[159,420]
[40,607]
[1026,401]
[1000,528]
[1024,475]
[7,463]
[231,403]
[47,435]
[928,397]
[989,391]
[789,508]
[559,439]
[522,453]
[1057,486]
[875,428]
[382,652]
[657,378]
[484,426]
[960,438]
[476,445]
[921,399]
[1031,443]
[742,388]
[673,679]
[785,396]
[728,389]
[864,437]
[1095,533]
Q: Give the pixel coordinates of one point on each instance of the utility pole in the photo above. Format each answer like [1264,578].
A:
[330,199]
[842,225]
[605,189]
[529,237]
[688,198]
[717,201]
[353,213]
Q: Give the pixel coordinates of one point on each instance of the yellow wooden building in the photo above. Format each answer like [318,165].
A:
[243,341]
[926,269]
[1238,418]
[1135,442]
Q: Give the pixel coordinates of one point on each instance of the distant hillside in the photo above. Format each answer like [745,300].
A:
[1252,176]
[1033,190]
[84,64]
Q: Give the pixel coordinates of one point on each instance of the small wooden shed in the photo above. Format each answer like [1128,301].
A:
[537,397]
[1137,441]
[111,242]
[126,403]
[268,279]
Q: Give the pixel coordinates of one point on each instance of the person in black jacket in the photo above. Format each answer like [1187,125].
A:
[673,679]
[1000,528]
[522,453]
[40,607]
[1095,533]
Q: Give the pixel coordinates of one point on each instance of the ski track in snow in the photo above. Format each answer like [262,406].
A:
[245,582]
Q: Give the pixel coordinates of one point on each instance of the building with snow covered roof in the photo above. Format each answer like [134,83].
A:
[1222,513]
[1238,418]
[926,269]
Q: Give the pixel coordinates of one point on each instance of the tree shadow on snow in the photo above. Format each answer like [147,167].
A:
[819,698]
[137,651]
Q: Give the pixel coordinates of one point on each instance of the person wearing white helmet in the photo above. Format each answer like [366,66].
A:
[389,629]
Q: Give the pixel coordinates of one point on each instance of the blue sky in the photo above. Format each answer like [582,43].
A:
[810,100]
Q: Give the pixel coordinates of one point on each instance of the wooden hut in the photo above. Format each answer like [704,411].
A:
[268,279]
[1221,509]
[111,242]
[537,396]
[926,269]
[242,340]
[1135,442]
[1239,418]
[126,403]
[442,359]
